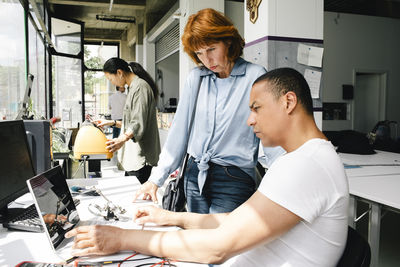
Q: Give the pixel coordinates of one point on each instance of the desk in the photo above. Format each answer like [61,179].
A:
[16,246]
[376,185]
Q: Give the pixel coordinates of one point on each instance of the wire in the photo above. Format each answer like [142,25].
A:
[127,258]
[80,164]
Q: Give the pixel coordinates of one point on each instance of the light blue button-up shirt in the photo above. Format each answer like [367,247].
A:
[219,132]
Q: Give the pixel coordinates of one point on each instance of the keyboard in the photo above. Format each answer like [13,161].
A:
[28,220]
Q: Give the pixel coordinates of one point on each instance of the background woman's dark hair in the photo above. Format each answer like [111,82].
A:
[113,64]
[140,71]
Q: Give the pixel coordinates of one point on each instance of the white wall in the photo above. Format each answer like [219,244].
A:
[286,18]
[362,43]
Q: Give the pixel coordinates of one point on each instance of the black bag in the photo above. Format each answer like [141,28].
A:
[174,196]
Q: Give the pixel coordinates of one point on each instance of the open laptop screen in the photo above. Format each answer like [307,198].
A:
[54,203]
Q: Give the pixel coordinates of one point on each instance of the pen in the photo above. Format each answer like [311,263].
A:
[71,259]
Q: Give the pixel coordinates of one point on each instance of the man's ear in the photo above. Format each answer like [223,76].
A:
[291,101]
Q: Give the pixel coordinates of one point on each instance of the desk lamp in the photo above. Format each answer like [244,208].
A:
[90,144]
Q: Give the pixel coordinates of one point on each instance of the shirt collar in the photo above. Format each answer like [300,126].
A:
[238,69]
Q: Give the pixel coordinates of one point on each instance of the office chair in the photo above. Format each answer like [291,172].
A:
[357,252]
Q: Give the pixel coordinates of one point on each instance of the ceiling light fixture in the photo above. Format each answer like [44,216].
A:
[111,4]
[116,18]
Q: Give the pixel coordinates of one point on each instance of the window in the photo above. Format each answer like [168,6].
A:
[67,92]
[97,87]
[12,58]
[37,69]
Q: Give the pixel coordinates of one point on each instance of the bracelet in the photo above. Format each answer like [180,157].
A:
[127,137]
[115,122]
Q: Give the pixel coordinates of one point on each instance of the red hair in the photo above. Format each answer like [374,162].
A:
[209,26]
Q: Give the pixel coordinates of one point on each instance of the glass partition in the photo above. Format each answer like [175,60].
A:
[12,58]
[97,87]
[66,36]
[96,94]
[37,69]
[67,90]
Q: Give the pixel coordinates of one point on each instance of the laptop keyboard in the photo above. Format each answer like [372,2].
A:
[28,220]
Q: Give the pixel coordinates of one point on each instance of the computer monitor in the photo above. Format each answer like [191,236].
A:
[15,164]
[39,134]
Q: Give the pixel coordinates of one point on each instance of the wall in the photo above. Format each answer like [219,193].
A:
[127,52]
[170,72]
[362,43]
[286,18]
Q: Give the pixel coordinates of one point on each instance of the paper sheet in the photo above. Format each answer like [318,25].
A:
[310,55]
[313,79]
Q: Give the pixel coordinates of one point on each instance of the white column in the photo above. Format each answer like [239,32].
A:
[149,57]
[139,54]
[281,25]
[286,18]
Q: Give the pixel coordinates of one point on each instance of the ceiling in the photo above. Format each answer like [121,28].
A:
[149,12]
[146,12]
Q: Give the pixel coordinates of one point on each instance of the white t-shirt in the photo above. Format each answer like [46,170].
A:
[116,103]
[310,182]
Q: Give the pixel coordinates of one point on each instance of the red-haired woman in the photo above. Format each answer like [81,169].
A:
[220,173]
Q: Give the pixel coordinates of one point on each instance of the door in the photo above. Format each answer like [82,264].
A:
[369,100]
[67,71]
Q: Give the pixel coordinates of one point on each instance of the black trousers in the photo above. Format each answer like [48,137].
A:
[142,174]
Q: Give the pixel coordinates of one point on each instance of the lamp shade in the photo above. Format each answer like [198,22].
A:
[91,141]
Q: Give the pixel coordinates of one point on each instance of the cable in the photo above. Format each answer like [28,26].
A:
[80,164]
[127,258]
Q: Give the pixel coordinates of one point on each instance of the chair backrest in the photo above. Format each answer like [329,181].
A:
[357,252]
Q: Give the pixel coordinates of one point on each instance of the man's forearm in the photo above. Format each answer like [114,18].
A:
[188,220]
[188,245]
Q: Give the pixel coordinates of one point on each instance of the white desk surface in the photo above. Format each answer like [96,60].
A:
[381,157]
[18,246]
[383,189]
[358,164]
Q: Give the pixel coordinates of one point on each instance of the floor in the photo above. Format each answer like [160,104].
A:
[389,255]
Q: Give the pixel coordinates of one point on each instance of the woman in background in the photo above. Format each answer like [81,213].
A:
[139,142]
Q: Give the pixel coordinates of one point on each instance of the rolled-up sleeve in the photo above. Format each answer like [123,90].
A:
[140,104]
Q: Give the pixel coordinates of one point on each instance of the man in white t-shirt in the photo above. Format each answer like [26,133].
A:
[116,103]
[297,217]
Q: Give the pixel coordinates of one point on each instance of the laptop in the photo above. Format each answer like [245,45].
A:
[52,197]
[55,206]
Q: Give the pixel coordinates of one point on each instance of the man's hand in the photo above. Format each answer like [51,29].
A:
[96,240]
[152,214]
[149,191]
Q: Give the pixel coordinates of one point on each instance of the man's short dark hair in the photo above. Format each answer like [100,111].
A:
[284,80]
